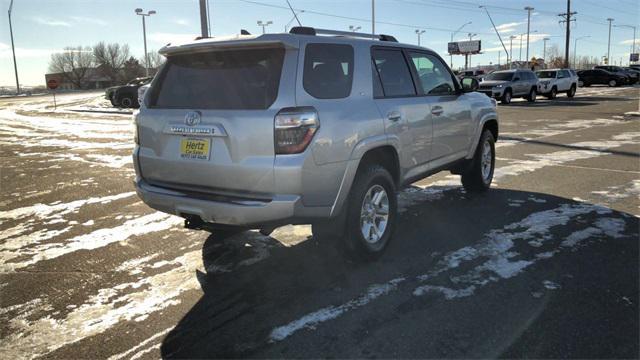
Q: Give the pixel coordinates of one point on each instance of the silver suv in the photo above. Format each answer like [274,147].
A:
[298,128]
[507,84]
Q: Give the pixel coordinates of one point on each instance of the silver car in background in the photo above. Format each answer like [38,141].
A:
[298,128]
[507,84]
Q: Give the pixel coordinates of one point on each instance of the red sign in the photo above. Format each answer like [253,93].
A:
[52,84]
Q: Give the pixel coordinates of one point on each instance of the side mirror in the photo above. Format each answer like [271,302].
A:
[469,84]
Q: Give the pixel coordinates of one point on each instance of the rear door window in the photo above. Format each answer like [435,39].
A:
[328,70]
[394,73]
[234,79]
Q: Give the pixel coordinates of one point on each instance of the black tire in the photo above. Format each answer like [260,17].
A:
[371,177]
[126,102]
[533,94]
[572,91]
[506,97]
[553,93]
[613,83]
[473,179]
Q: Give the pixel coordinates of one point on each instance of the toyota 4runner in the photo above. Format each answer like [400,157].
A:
[298,128]
[554,81]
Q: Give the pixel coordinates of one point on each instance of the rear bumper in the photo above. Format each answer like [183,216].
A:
[280,209]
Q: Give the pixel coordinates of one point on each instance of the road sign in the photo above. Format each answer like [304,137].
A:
[464,47]
[52,84]
[634,57]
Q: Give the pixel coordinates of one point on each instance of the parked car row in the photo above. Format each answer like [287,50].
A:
[609,75]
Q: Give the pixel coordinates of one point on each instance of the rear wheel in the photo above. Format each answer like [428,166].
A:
[613,83]
[479,175]
[533,94]
[126,102]
[371,214]
[506,97]
[552,93]
[572,91]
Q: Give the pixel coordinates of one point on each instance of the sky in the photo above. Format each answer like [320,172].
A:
[44,27]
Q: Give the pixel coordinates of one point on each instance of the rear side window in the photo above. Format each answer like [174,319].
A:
[235,79]
[328,70]
[394,73]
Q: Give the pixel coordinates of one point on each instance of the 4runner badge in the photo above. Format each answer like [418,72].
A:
[192,118]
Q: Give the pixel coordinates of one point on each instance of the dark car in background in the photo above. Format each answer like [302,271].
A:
[126,95]
[631,77]
[600,77]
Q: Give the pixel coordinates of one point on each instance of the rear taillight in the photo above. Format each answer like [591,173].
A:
[294,128]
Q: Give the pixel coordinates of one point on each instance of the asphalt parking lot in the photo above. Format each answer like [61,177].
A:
[545,265]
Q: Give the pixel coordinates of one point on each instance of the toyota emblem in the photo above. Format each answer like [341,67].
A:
[192,118]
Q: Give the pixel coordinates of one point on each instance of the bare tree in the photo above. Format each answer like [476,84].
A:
[73,63]
[110,59]
[132,69]
[155,60]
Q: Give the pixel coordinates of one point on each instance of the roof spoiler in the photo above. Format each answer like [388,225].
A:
[305,30]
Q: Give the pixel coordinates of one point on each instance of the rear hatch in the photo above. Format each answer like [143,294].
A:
[209,121]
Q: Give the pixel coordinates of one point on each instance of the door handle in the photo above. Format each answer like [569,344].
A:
[437,110]
[394,116]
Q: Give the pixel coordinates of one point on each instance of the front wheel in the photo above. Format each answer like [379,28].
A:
[506,97]
[533,94]
[371,217]
[613,83]
[126,102]
[553,93]
[572,92]
[479,175]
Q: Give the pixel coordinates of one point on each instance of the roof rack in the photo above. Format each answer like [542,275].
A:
[305,30]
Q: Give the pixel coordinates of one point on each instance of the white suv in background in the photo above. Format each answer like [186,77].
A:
[554,81]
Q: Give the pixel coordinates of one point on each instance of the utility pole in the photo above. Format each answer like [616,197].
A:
[204,29]
[373,17]
[567,18]
[610,20]
[520,56]
[140,12]
[15,65]
[544,49]
[419,33]
[511,50]
[529,9]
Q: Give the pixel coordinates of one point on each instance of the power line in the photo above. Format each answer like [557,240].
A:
[413,26]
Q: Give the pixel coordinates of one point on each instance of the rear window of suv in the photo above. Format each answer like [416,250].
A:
[328,70]
[246,79]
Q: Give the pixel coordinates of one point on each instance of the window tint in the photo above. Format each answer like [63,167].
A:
[563,74]
[433,74]
[394,73]
[235,79]
[328,70]
[546,74]
[500,76]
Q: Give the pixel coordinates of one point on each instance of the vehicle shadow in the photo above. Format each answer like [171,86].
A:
[578,101]
[569,146]
[254,284]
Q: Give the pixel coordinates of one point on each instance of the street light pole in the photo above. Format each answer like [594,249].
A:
[264,25]
[511,50]
[575,48]
[610,20]
[467,61]
[419,33]
[633,48]
[452,35]
[139,11]
[544,49]
[13,50]
[529,9]
[373,17]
